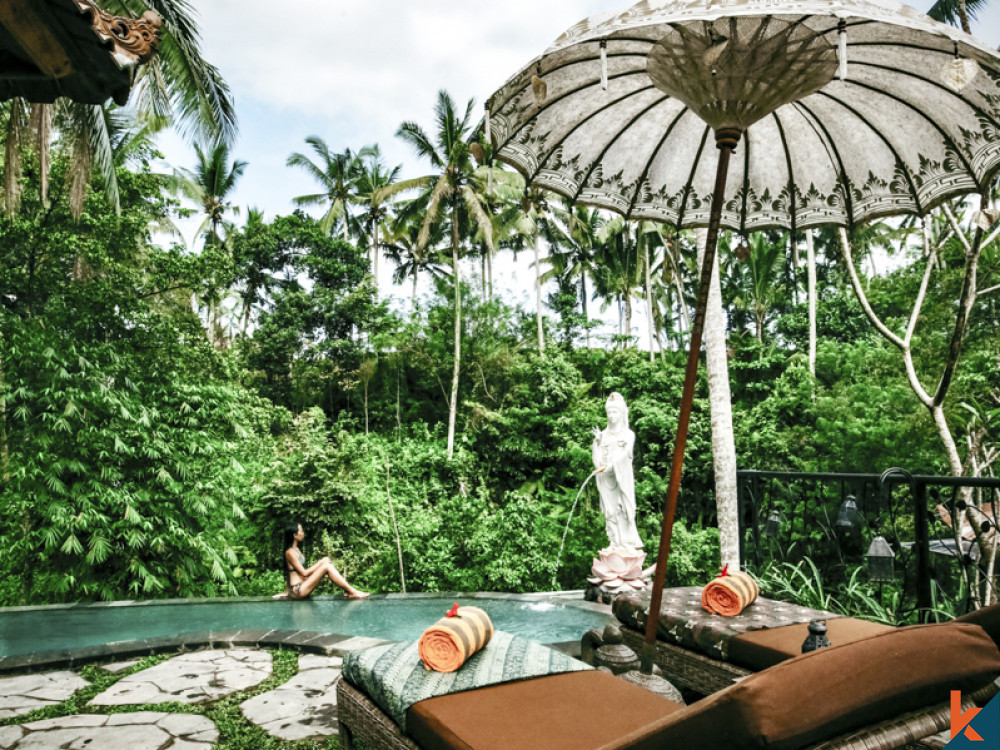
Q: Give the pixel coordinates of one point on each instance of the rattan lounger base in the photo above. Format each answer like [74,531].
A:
[361,721]
[686,668]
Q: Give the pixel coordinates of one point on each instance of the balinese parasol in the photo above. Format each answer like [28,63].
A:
[846,111]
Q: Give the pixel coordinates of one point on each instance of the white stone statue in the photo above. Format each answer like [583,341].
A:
[612,454]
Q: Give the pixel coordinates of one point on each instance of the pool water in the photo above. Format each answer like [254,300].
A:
[394,619]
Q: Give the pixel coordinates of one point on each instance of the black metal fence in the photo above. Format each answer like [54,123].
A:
[833,520]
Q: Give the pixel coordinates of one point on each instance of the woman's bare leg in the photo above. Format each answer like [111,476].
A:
[337,578]
[327,570]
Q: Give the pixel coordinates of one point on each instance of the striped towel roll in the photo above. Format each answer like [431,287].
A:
[445,645]
[729,594]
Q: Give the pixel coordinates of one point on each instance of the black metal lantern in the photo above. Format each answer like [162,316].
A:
[773,525]
[847,515]
[880,557]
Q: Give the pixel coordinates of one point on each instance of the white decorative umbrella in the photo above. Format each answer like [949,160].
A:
[845,111]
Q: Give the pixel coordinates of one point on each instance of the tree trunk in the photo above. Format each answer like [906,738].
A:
[538,295]
[649,299]
[413,296]
[482,273]
[42,115]
[489,270]
[720,399]
[583,302]
[453,402]
[934,403]
[375,253]
[628,315]
[963,16]
[811,277]
[246,312]
[12,156]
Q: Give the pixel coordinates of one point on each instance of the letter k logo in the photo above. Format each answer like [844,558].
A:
[960,721]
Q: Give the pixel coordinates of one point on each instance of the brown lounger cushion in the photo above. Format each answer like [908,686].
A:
[760,649]
[824,694]
[988,618]
[575,711]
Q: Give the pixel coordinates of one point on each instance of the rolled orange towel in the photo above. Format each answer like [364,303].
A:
[730,593]
[447,644]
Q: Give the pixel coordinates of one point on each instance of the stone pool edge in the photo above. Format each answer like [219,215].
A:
[305,641]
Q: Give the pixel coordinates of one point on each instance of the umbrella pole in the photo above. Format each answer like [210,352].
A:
[726,140]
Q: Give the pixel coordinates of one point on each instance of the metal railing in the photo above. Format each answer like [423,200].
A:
[792,516]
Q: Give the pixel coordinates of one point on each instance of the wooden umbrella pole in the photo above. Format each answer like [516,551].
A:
[726,140]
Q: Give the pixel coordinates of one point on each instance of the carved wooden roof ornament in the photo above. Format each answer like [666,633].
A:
[71,48]
[135,39]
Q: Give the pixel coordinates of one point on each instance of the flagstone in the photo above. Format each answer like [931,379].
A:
[305,706]
[190,678]
[144,730]
[25,693]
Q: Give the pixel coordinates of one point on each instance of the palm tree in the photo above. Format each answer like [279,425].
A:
[675,268]
[452,187]
[760,288]
[619,270]
[338,175]
[375,188]
[580,227]
[957,12]
[721,415]
[211,185]
[525,219]
[177,86]
[402,246]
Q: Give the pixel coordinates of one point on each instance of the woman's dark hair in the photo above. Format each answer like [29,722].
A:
[289,538]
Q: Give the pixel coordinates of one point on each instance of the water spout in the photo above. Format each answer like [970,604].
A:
[566,530]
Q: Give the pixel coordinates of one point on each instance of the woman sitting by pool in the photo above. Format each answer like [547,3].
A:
[300,580]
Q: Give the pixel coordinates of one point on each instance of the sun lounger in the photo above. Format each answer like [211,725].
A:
[705,653]
[890,690]
[690,665]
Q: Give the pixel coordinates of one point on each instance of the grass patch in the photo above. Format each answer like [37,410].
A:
[236,732]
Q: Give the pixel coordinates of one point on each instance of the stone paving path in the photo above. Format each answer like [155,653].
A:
[305,706]
[23,694]
[190,678]
[143,730]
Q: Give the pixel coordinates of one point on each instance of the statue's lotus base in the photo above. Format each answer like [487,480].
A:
[618,571]
[599,593]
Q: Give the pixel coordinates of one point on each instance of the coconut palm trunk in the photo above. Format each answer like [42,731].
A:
[489,271]
[720,400]
[811,276]
[649,301]
[538,295]
[453,402]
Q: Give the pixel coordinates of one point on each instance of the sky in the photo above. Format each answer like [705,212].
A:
[352,72]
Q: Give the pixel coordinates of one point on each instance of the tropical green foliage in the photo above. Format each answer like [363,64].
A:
[165,411]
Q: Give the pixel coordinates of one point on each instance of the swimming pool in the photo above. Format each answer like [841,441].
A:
[30,630]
